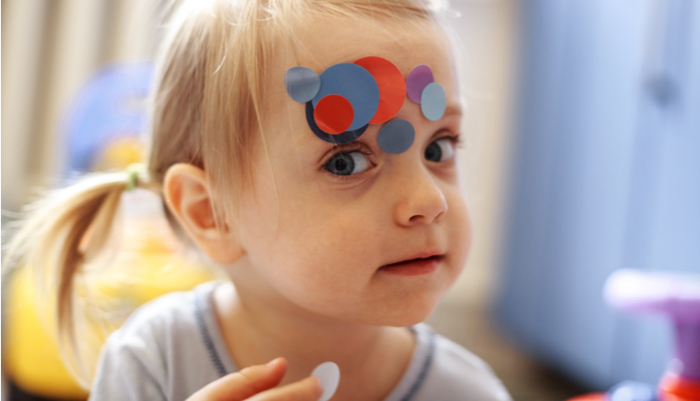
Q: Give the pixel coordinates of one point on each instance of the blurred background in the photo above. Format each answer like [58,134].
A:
[582,157]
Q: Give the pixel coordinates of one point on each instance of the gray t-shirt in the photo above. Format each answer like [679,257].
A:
[172,347]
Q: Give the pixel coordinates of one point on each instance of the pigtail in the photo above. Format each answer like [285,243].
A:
[61,235]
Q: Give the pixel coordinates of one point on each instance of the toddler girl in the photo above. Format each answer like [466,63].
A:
[308,148]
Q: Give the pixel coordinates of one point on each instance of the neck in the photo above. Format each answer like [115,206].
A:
[371,358]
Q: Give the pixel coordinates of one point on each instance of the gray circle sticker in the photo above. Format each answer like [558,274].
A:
[302,83]
[396,136]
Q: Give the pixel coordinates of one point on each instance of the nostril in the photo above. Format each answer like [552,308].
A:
[442,212]
[431,217]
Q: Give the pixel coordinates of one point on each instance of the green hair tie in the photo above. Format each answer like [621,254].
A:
[134,172]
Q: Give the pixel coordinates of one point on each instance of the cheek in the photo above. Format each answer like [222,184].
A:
[331,232]
[335,247]
[460,230]
[312,249]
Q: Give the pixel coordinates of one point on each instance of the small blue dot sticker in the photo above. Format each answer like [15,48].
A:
[433,101]
[302,83]
[396,136]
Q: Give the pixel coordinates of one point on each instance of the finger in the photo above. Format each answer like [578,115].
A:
[309,389]
[246,383]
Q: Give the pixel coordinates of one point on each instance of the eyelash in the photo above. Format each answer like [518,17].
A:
[340,150]
[454,138]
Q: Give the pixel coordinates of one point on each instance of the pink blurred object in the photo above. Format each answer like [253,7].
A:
[674,294]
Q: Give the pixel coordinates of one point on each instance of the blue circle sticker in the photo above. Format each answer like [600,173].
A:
[355,84]
[433,101]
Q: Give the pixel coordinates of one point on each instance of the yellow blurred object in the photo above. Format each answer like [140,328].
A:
[120,153]
[147,265]
[31,356]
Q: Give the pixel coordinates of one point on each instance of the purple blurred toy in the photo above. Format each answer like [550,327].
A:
[676,295]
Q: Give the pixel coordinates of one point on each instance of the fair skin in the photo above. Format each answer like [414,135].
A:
[310,251]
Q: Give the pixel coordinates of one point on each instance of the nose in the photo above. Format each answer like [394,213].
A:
[420,201]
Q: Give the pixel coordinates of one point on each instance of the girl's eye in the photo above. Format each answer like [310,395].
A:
[347,163]
[441,150]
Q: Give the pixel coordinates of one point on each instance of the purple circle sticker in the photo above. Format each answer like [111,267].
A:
[417,80]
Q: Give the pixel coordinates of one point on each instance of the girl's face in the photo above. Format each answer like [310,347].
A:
[378,243]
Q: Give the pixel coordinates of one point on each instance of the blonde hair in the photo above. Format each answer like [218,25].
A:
[206,111]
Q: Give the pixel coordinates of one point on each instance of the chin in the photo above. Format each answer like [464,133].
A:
[407,321]
[410,316]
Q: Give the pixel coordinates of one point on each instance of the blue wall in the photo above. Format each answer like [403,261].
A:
[606,175]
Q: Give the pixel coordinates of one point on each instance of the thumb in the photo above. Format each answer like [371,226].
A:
[244,384]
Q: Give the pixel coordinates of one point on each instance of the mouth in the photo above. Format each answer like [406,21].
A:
[415,266]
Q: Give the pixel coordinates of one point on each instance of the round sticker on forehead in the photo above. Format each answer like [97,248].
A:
[345,137]
[355,84]
[433,101]
[333,114]
[417,80]
[392,87]
[302,83]
[396,136]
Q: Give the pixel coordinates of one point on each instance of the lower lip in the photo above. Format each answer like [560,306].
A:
[414,267]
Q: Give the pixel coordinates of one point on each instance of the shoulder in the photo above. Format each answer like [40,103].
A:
[455,373]
[157,325]
[160,316]
[158,342]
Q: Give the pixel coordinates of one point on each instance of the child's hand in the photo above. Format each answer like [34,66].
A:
[256,383]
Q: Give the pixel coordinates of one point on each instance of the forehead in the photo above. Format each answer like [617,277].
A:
[324,42]
[345,39]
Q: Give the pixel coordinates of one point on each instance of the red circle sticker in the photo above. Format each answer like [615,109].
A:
[392,86]
[334,114]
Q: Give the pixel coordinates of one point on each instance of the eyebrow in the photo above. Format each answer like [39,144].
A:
[452,109]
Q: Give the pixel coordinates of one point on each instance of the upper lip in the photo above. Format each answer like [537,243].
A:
[420,255]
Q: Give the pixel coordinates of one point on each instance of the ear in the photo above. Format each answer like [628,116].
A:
[188,197]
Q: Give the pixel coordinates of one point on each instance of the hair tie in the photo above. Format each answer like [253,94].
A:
[134,173]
